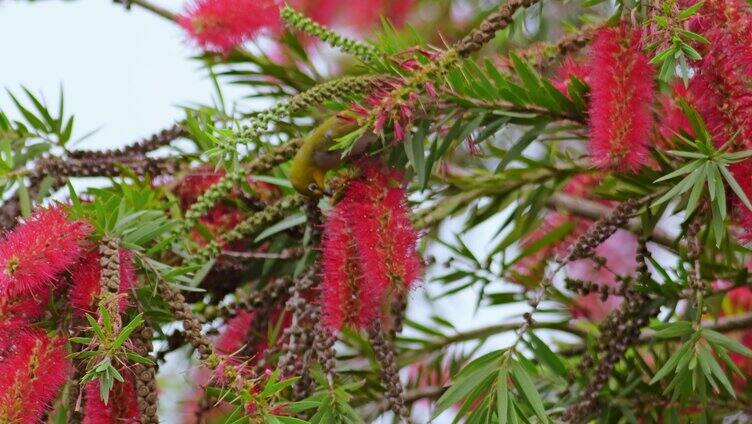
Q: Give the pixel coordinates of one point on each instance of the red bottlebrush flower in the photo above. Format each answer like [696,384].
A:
[621,95]
[724,101]
[321,11]
[570,69]
[727,24]
[369,250]
[222,25]
[33,254]
[32,370]
[742,172]
[121,407]
[235,334]
[341,273]
[363,14]
[386,241]
[673,121]
[720,89]
[22,309]
[86,285]
[194,184]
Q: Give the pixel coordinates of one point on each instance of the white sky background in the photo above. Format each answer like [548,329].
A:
[126,73]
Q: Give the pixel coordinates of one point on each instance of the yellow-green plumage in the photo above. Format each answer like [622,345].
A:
[314,159]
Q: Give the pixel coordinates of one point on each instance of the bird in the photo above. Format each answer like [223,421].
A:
[314,158]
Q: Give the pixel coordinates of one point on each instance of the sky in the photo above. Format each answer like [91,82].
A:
[125,74]
[122,72]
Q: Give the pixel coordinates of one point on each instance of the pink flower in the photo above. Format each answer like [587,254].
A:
[568,70]
[720,89]
[341,273]
[363,14]
[22,309]
[33,367]
[621,91]
[222,25]
[234,335]
[742,172]
[386,241]
[86,285]
[33,254]
[121,407]
[369,250]
[673,119]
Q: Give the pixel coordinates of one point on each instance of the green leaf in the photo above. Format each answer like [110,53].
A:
[691,52]
[716,370]
[523,382]
[686,169]
[502,396]
[680,188]
[23,199]
[547,356]
[516,150]
[285,224]
[289,420]
[690,11]
[95,327]
[104,314]
[674,329]
[663,55]
[127,330]
[697,189]
[670,365]
[716,338]
[735,186]
[467,380]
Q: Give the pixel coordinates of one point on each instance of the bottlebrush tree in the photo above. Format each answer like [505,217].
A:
[581,171]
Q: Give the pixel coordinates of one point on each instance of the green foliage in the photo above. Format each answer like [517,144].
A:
[679,41]
[707,167]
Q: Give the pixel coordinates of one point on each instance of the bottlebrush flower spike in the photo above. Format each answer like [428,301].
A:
[122,406]
[35,252]
[621,95]
[32,370]
[673,120]
[86,285]
[22,309]
[222,25]
[569,69]
[341,273]
[235,334]
[385,238]
[369,250]
[742,172]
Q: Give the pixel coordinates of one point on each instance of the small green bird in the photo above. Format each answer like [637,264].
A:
[314,159]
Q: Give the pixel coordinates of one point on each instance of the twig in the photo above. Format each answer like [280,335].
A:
[593,210]
[155,9]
